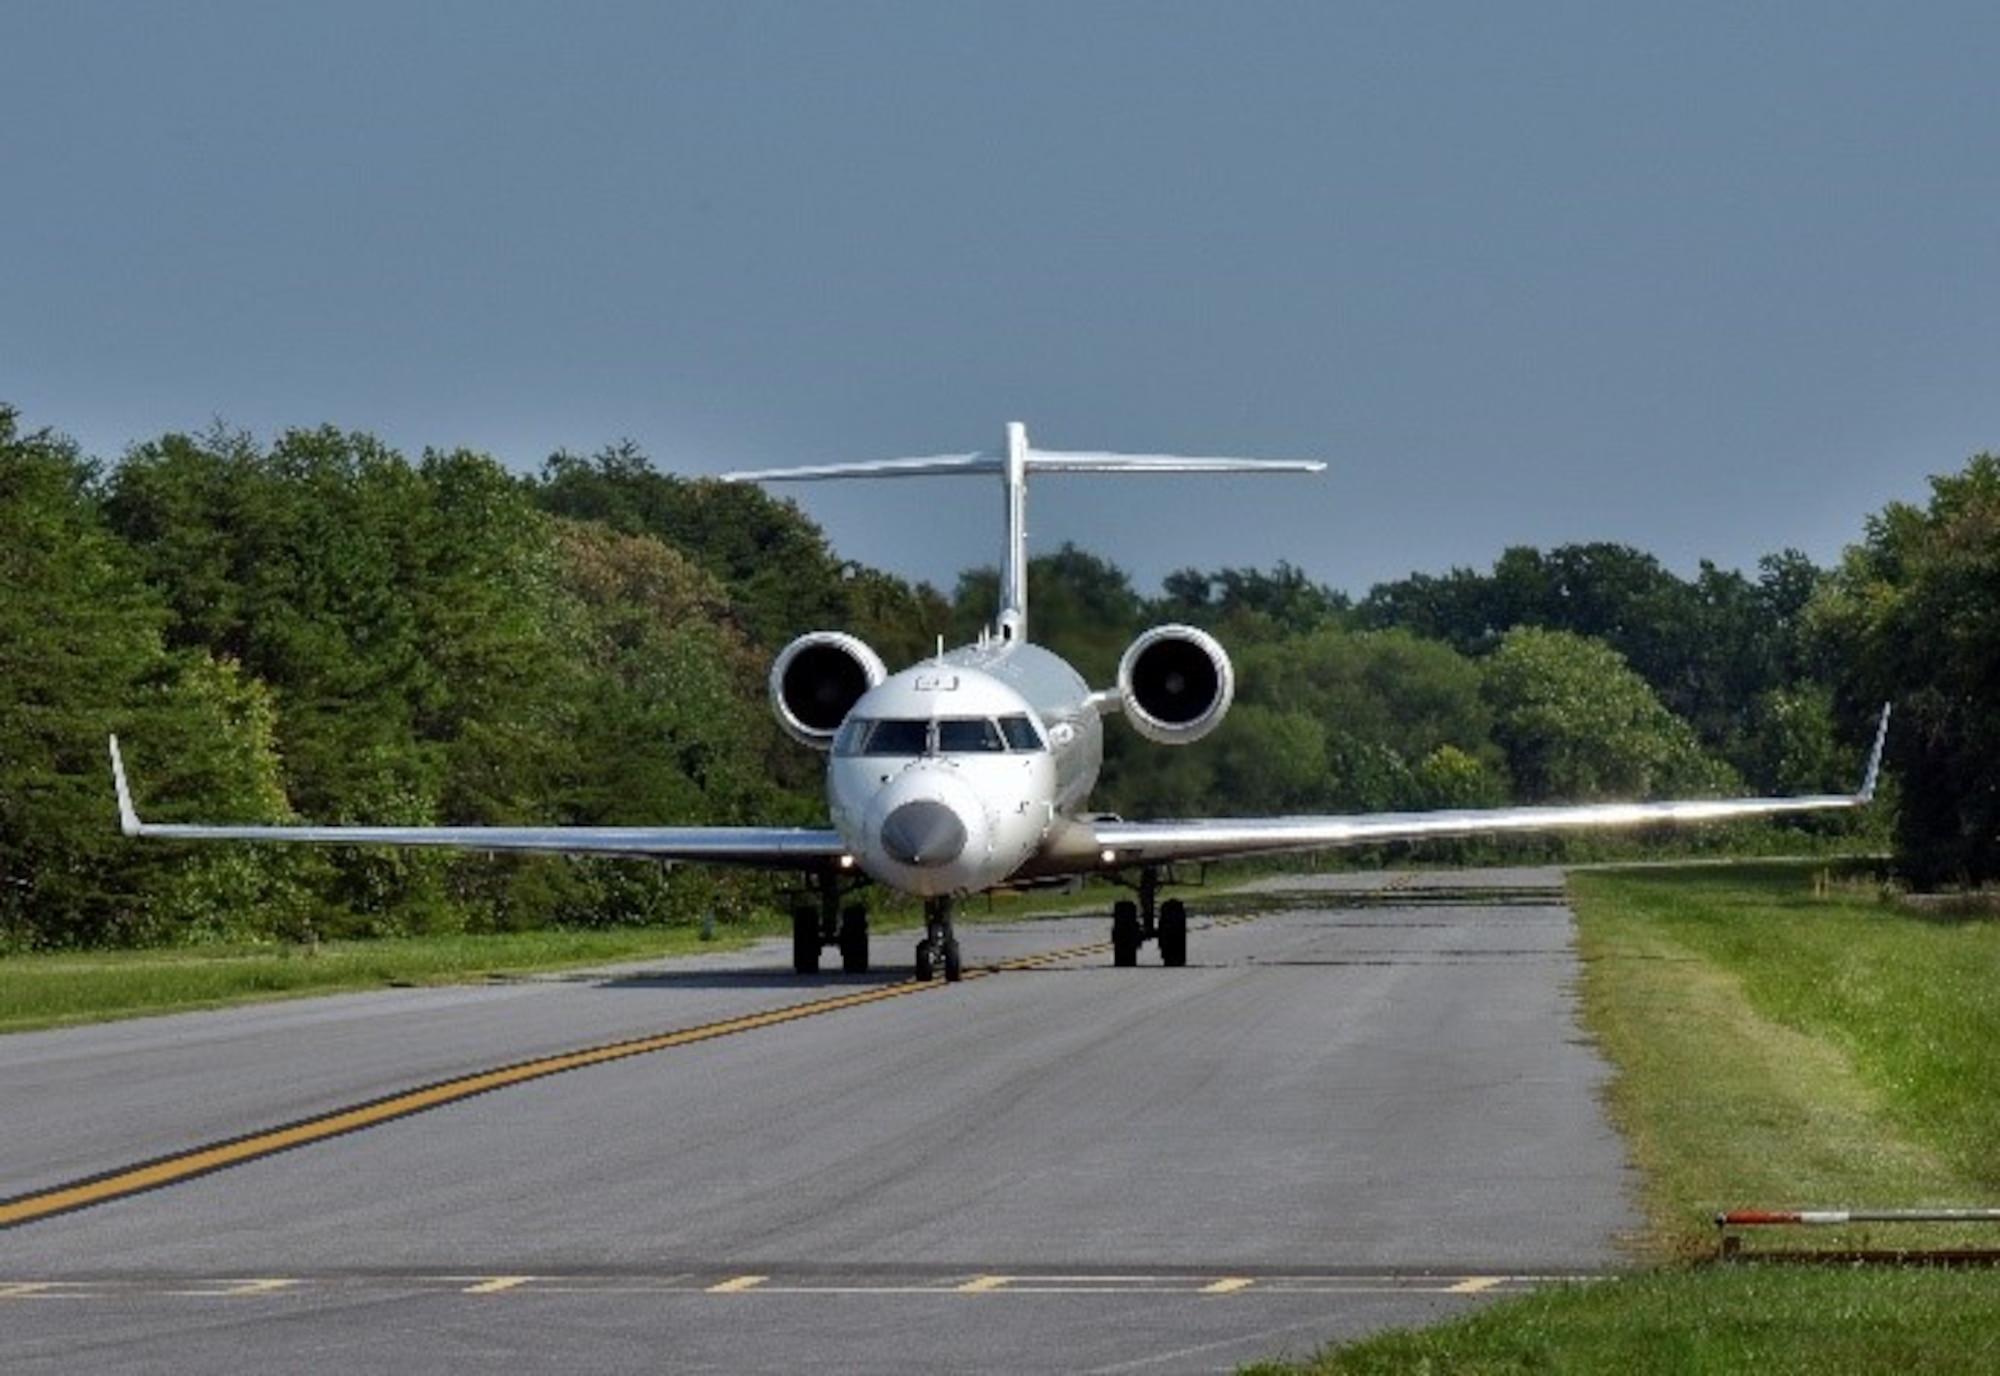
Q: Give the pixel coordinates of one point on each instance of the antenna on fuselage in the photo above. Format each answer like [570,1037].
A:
[1014,464]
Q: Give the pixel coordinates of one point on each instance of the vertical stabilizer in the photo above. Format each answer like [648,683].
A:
[1012,622]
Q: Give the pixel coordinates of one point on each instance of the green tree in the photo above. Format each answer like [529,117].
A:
[1327,722]
[1913,615]
[79,641]
[1711,648]
[206,736]
[783,577]
[1250,604]
[1579,725]
[323,537]
[408,624]
[671,726]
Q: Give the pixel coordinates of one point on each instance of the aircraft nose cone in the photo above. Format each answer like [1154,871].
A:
[923,832]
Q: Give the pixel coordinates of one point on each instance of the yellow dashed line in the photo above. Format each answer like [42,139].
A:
[984,1285]
[736,1285]
[247,1289]
[186,1165]
[25,1290]
[203,1160]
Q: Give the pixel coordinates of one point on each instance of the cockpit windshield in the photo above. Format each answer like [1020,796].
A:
[912,736]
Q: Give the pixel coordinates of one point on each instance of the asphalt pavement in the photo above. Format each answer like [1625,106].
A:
[1364,1103]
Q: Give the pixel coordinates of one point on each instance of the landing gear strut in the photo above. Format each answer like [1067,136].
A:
[822,921]
[939,946]
[1133,924]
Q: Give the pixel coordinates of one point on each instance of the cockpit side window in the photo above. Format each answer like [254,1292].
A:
[898,736]
[883,736]
[854,733]
[1021,733]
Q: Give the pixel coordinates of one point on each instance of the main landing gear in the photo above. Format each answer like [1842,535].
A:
[1133,924]
[939,946]
[822,921]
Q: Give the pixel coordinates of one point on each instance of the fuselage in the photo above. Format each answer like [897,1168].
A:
[955,775]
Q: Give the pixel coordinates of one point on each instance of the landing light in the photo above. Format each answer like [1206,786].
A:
[1108,856]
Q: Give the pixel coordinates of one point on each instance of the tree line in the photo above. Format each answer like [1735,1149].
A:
[321,628]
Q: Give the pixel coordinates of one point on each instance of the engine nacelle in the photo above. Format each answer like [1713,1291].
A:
[1175,683]
[817,679]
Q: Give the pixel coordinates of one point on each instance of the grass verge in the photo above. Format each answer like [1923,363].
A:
[38,991]
[58,990]
[1781,1039]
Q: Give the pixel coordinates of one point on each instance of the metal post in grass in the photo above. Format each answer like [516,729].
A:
[1833,1218]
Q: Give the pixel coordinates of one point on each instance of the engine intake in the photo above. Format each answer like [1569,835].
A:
[815,682]
[1175,683]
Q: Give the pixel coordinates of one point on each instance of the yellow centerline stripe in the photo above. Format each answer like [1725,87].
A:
[737,1285]
[499,1285]
[1228,1286]
[169,1170]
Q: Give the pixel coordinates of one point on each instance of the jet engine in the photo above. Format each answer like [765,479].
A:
[817,679]
[1175,683]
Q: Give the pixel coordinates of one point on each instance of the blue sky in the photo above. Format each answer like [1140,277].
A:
[1712,280]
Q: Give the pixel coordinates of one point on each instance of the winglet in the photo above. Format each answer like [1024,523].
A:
[1868,780]
[128,816]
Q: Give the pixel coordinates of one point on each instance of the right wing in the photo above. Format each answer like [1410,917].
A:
[781,848]
[1120,843]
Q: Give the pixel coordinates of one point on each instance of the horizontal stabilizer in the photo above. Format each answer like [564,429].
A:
[1038,461]
[1013,465]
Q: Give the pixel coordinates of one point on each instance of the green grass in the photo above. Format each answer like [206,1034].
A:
[1716,1320]
[1781,1038]
[58,990]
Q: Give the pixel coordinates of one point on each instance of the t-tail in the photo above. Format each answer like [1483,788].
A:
[1014,463]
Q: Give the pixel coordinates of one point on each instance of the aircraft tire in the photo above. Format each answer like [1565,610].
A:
[923,962]
[1124,933]
[1173,933]
[805,941]
[854,940]
[954,969]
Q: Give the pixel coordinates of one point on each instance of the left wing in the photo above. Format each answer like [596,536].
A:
[1123,843]
[799,848]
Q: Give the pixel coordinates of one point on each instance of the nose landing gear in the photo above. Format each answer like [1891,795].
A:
[939,946]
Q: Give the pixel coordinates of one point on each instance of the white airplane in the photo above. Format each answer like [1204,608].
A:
[973,769]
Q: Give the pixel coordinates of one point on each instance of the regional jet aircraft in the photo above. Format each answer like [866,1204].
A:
[972,770]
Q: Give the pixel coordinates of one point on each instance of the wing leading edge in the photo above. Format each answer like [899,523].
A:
[799,848]
[1140,843]
[1116,843]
